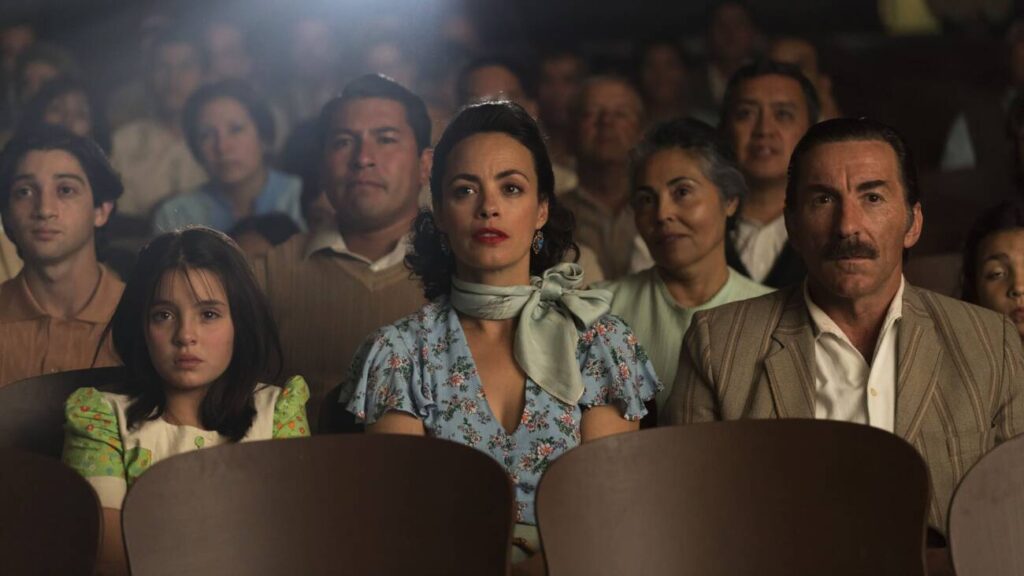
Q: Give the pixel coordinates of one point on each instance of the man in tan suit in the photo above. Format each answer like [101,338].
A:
[855,342]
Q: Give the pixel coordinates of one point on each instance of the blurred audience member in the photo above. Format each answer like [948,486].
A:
[150,153]
[37,65]
[15,38]
[391,56]
[608,119]
[312,74]
[804,55]
[662,71]
[256,235]
[230,130]
[686,185]
[558,85]
[133,98]
[974,138]
[993,264]
[56,190]
[199,345]
[768,107]
[732,41]
[493,79]
[227,52]
[331,288]
[66,102]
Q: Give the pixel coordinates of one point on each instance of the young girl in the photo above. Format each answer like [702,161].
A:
[196,338]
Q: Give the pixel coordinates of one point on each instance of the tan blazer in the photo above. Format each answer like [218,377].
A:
[958,382]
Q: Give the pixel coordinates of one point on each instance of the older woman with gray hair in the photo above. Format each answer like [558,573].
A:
[685,187]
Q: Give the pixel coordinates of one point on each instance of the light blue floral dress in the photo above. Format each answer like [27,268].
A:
[421,365]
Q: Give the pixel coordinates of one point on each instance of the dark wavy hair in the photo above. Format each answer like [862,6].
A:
[228,405]
[427,259]
[1008,215]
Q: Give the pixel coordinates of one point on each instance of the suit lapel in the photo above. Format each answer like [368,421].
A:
[919,353]
[790,368]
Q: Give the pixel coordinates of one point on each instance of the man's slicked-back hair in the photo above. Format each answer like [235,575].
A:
[379,86]
[767,67]
[854,130]
[103,179]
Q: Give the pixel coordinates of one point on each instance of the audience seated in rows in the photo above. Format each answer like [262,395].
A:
[199,346]
[473,366]
[230,131]
[855,342]
[768,108]
[56,191]
[330,289]
[686,186]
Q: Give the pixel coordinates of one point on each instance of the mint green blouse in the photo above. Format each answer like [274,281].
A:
[659,322]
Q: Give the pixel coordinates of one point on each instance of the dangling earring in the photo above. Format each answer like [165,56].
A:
[443,239]
[538,242]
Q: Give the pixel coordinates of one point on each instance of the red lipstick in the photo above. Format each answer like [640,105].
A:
[490,236]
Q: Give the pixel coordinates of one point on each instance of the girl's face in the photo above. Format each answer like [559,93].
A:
[490,209]
[189,331]
[1000,274]
[230,142]
[70,110]
[679,212]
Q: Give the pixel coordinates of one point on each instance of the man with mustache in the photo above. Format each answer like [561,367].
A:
[330,289]
[767,109]
[855,342]
[56,190]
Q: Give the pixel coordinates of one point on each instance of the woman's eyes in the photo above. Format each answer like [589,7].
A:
[211,314]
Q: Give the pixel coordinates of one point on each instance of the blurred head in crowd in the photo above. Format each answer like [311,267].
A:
[56,189]
[312,50]
[731,35]
[493,79]
[256,235]
[66,102]
[662,72]
[852,209]
[767,108]
[39,64]
[803,55]
[609,119]
[176,70]
[558,85]
[685,187]
[227,51]
[14,39]
[230,131]
[492,171]
[376,154]
[391,56]
[993,261]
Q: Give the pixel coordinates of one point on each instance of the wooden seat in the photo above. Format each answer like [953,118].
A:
[32,410]
[755,497]
[51,517]
[336,504]
[986,518]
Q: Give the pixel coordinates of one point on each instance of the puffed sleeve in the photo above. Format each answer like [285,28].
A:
[92,445]
[386,377]
[290,409]
[616,369]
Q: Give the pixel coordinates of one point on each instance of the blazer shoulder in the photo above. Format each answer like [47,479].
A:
[952,311]
[756,307]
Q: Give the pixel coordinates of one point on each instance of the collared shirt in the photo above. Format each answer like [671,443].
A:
[848,388]
[612,235]
[33,343]
[209,206]
[759,245]
[333,241]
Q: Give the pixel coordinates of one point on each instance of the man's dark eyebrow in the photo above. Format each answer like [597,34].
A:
[820,188]
[71,177]
[871,185]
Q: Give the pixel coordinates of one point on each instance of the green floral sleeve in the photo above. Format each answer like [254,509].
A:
[92,440]
[290,410]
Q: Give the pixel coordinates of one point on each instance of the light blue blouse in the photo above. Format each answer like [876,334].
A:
[207,205]
[421,365]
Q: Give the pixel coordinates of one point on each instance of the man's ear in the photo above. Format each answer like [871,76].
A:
[101,214]
[426,162]
[914,226]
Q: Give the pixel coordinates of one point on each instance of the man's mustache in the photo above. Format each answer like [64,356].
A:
[849,248]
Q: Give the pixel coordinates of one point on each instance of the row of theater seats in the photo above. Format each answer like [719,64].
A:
[790,497]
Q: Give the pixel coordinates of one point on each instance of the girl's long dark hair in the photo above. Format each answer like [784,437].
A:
[228,406]
[427,259]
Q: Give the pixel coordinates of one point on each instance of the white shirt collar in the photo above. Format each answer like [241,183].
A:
[333,240]
[823,324]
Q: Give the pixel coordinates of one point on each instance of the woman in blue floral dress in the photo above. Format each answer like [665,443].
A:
[510,357]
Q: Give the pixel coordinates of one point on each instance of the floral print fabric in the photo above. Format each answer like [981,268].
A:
[422,366]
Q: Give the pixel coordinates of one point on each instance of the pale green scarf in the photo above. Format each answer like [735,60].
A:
[551,312]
